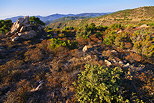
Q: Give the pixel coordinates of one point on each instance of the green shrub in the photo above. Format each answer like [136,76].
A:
[36,21]
[144,47]
[120,39]
[86,31]
[116,26]
[68,28]
[1,31]
[109,38]
[151,24]
[143,43]
[89,30]
[101,28]
[135,98]
[97,84]
[83,34]
[55,43]
[5,26]
[67,33]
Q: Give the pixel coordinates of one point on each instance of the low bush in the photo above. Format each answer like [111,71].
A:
[109,38]
[55,43]
[68,28]
[117,26]
[90,29]
[5,26]
[98,84]
[143,43]
[121,39]
[83,34]
[36,21]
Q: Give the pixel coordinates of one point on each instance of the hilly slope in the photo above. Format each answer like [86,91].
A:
[69,18]
[137,15]
[93,64]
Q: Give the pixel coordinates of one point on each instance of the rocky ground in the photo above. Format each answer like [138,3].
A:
[26,65]
[31,72]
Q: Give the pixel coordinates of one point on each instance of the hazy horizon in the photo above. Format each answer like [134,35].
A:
[12,8]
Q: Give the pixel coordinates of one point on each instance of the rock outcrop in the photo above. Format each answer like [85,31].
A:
[23,29]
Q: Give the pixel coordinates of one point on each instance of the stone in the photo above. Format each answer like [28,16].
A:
[86,47]
[19,23]
[120,62]
[38,87]
[22,29]
[126,65]
[108,63]
[114,52]
[27,35]
[87,57]
[26,20]
[19,34]
[15,38]
[20,20]
[144,26]
[15,27]
[120,31]
[114,60]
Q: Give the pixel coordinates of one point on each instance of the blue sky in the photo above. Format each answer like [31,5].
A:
[10,8]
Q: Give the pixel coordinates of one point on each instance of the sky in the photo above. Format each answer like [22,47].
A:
[11,8]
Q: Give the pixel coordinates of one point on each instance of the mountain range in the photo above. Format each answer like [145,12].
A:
[137,15]
[50,18]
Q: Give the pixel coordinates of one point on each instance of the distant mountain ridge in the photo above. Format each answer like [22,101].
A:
[137,15]
[63,19]
[52,17]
